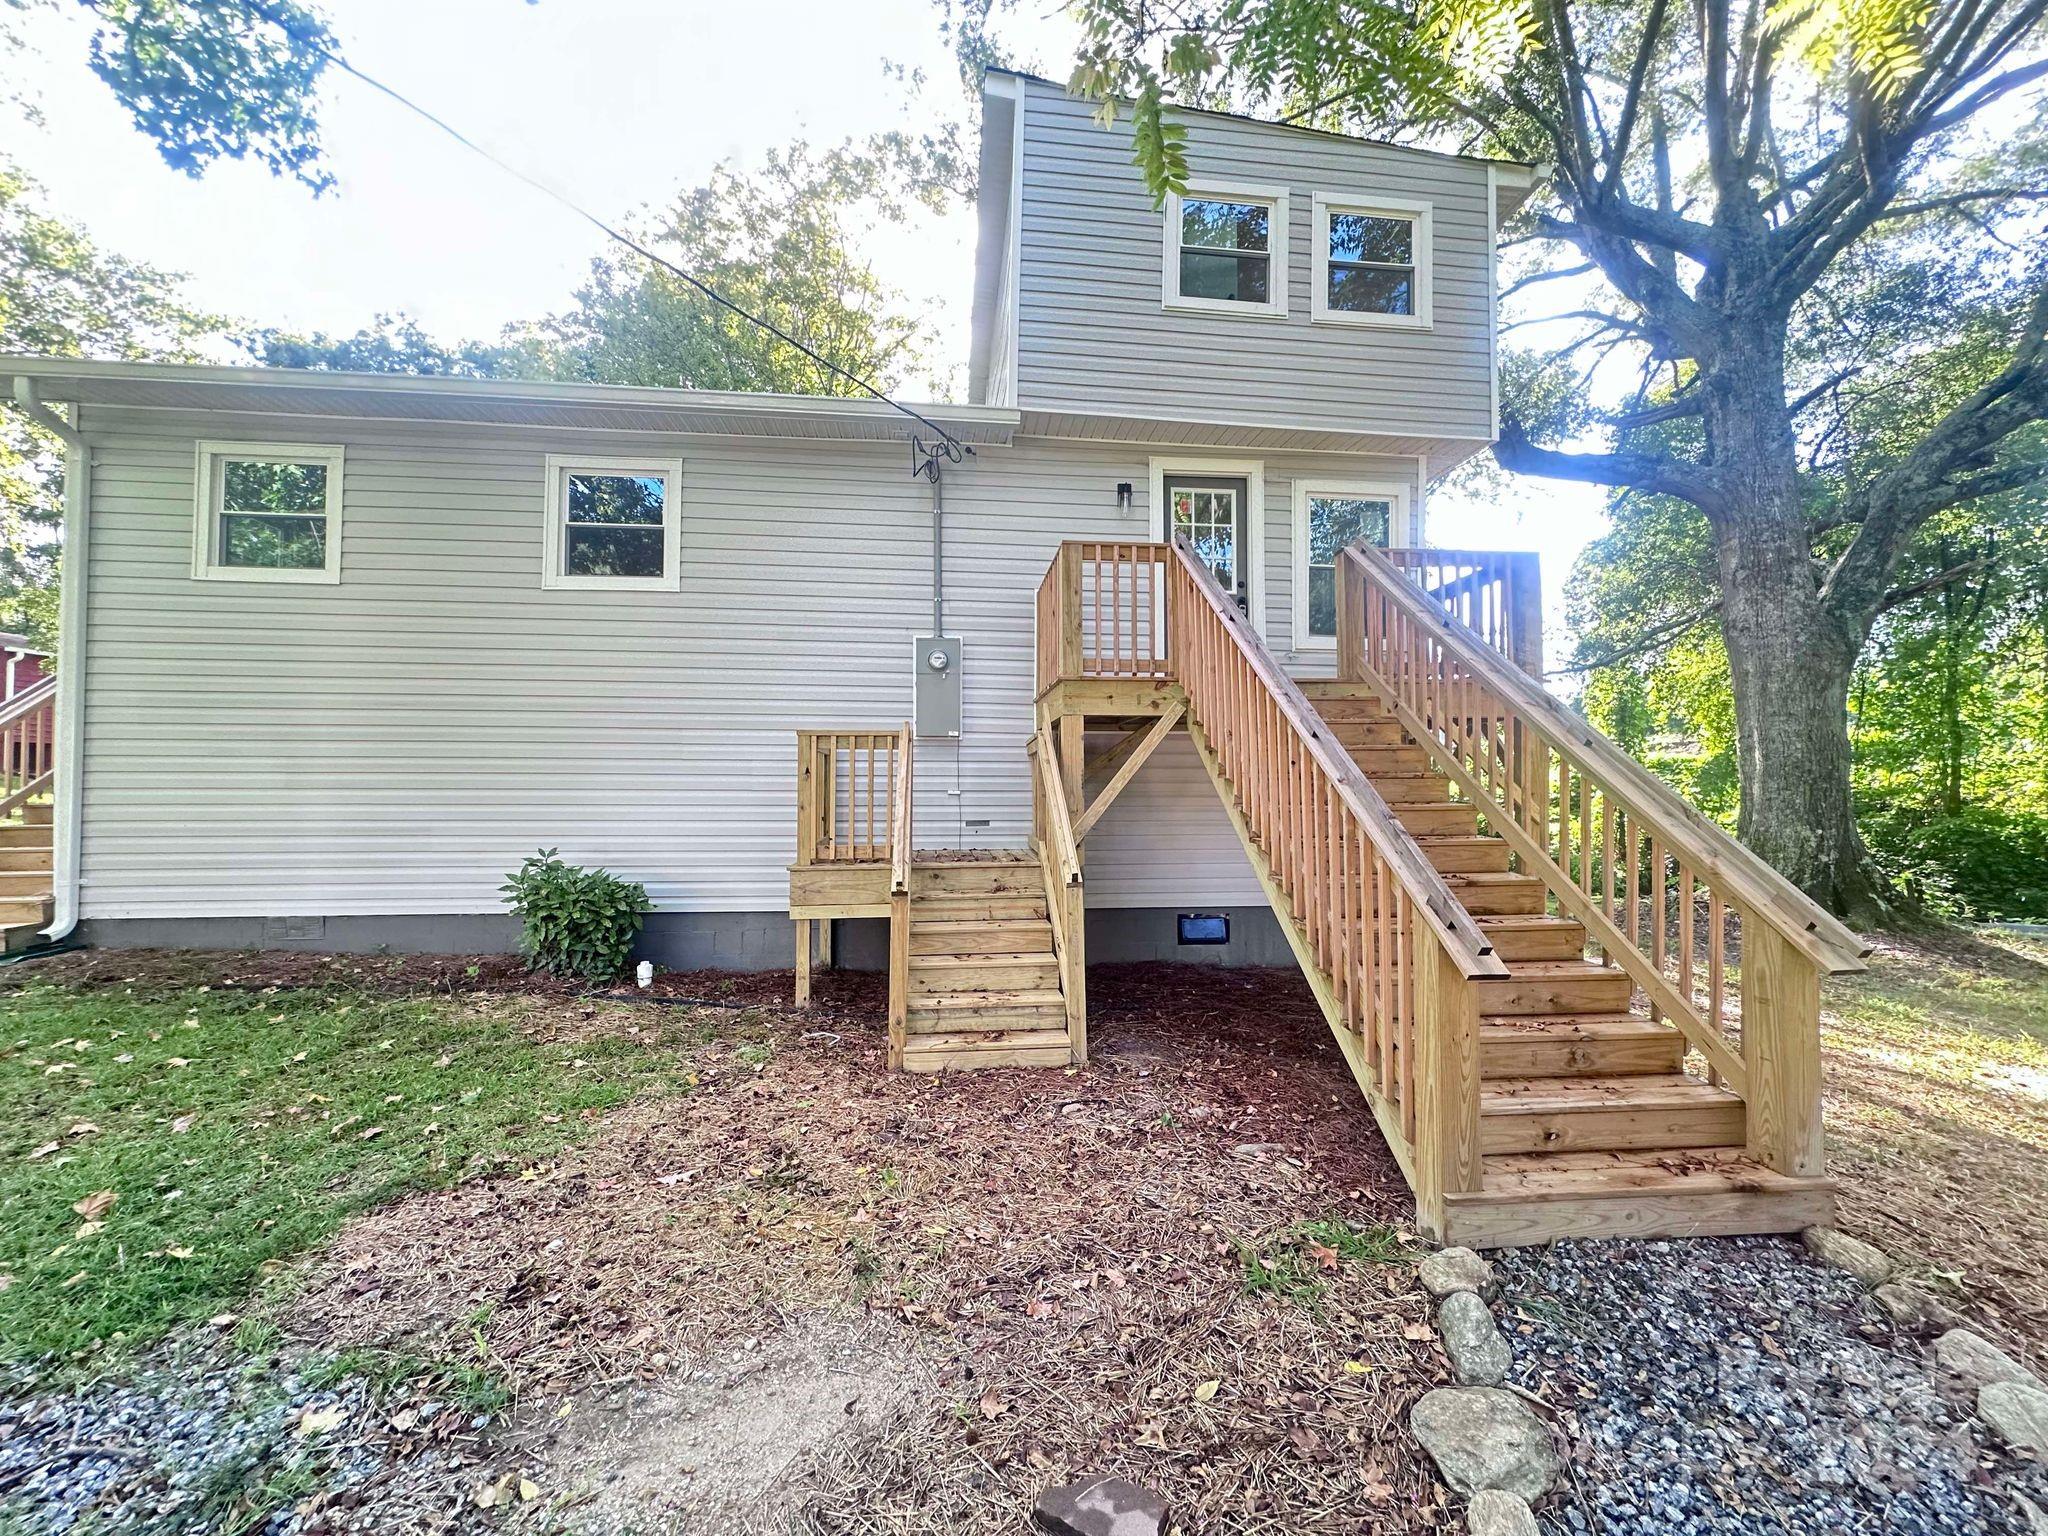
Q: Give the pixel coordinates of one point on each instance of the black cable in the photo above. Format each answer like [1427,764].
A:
[955,448]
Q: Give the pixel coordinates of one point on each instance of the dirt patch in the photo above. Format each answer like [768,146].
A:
[1182,1263]
[715,1448]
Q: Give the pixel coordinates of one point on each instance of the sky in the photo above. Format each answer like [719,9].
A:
[616,103]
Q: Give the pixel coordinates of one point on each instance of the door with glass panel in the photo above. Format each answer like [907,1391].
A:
[1331,518]
[1212,513]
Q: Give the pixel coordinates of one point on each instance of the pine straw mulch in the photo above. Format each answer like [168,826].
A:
[1089,1259]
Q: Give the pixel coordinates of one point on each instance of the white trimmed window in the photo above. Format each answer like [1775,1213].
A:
[1226,250]
[267,512]
[614,524]
[1328,516]
[1372,262]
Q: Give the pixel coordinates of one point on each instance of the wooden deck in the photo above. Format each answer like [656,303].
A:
[1524,944]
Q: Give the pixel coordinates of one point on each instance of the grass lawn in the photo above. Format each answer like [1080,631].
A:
[1937,1112]
[160,1152]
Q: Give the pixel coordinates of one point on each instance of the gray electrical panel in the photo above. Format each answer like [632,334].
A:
[935,663]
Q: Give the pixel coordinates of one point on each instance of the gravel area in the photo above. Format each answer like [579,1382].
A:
[198,1440]
[1734,1387]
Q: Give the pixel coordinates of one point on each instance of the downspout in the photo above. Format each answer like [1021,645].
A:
[70,654]
[938,548]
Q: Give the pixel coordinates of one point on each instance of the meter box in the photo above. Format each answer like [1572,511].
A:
[936,692]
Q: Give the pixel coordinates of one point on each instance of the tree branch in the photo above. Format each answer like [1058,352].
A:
[1655,473]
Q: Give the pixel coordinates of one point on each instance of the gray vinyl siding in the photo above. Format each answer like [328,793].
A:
[1093,335]
[395,743]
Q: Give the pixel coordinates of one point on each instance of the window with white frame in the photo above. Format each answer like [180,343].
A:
[1226,250]
[1372,262]
[613,524]
[267,512]
[1328,516]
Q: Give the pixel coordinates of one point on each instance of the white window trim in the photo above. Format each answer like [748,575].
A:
[206,565]
[1278,283]
[1418,213]
[554,542]
[1305,490]
[1254,473]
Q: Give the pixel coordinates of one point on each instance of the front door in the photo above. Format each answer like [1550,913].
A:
[1213,513]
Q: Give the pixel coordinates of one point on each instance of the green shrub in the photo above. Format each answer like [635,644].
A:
[1982,864]
[578,922]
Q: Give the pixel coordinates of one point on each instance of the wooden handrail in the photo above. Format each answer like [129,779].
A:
[28,744]
[1059,817]
[1686,833]
[902,791]
[1461,937]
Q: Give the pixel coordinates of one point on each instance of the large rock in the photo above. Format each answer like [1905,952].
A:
[1481,1438]
[1452,1270]
[1866,1263]
[1493,1513]
[2018,1411]
[1101,1506]
[2036,1517]
[1479,1355]
[1912,1310]
[1972,1361]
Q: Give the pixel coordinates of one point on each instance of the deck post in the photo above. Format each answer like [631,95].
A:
[899,976]
[1447,1150]
[1781,1049]
[1525,611]
[803,962]
[1069,609]
[1350,621]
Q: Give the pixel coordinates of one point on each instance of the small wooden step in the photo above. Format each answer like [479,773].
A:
[1581,1045]
[1578,1114]
[26,859]
[1495,895]
[1322,691]
[38,815]
[1556,986]
[976,936]
[1013,908]
[1693,1192]
[1003,877]
[941,1012]
[1534,936]
[15,885]
[1466,854]
[18,834]
[944,975]
[31,913]
[987,1048]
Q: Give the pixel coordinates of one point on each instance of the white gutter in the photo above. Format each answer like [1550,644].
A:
[70,655]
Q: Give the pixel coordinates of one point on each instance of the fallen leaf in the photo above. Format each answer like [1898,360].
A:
[1418,1331]
[992,1406]
[224,1319]
[44,1150]
[73,1280]
[83,1128]
[1325,1257]
[370,1134]
[177,1061]
[1153,1433]
[177,1253]
[1206,1391]
[94,1206]
[529,1490]
[182,1124]
[1356,1368]
[1041,1308]
[319,1421]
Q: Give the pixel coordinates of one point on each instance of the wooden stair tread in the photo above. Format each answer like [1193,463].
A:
[942,1002]
[1574,1026]
[985,1039]
[1596,1175]
[1565,1095]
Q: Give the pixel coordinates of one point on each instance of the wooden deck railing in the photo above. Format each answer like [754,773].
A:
[1396,951]
[1497,594]
[1059,859]
[1661,890]
[1102,613]
[846,795]
[28,745]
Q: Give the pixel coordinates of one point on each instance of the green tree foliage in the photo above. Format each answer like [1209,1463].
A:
[208,80]
[781,245]
[391,344]
[62,296]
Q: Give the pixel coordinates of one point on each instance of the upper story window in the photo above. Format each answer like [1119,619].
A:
[1372,262]
[268,512]
[1226,250]
[613,523]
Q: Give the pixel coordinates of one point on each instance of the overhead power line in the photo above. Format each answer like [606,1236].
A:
[952,446]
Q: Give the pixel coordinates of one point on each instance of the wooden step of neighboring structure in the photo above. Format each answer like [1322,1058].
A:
[27,857]
[1694,1192]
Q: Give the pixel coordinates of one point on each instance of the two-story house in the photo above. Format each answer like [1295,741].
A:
[339,650]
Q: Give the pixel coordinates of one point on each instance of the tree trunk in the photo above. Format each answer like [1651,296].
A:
[1790,660]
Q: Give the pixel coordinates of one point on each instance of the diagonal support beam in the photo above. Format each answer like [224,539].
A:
[1144,749]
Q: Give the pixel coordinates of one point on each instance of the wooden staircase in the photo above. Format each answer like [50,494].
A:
[26,882]
[983,976]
